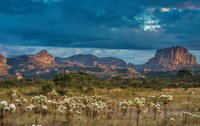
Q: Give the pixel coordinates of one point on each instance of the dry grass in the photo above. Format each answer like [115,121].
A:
[175,108]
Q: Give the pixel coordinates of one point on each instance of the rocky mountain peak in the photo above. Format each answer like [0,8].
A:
[176,55]
[3,59]
[43,58]
[3,65]
[43,53]
[173,58]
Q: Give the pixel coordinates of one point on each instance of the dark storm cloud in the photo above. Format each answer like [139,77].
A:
[131,24]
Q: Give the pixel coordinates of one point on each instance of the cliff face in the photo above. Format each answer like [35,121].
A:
[176,56]
[168,59]
[3,65]
[3,60]
[43,59]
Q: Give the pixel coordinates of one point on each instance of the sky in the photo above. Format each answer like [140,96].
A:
[100,24]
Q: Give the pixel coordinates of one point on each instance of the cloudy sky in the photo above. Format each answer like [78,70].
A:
[103,24]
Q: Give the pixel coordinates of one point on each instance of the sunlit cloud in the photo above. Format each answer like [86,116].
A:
[165,9]
[148,22]
[180,9]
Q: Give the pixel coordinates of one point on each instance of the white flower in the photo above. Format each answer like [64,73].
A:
[24,101]
[166,98]
[14,91]
[36,125]
[155,106]
[44,107]
[78,113]
[183,113]
[171,119]
[12,106]
[14,95]
[32,106]
[7,109]
[195,116]
[4,103]
[28,108]
[17,100]
[71,111]
[139,102]
[60,102]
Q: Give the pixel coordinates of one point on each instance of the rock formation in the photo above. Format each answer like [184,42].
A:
[43,59]
[3,65]
[169,59]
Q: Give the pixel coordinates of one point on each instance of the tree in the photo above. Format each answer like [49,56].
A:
[184,73]
[63,80]
[47,86]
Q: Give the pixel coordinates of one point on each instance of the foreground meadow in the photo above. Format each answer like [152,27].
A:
[101,107]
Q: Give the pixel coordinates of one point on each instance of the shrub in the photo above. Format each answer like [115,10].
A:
[90,89]
[48,86]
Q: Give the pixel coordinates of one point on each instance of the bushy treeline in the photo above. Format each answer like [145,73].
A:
[81,80]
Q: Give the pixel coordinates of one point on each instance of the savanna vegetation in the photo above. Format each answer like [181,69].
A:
[77,99]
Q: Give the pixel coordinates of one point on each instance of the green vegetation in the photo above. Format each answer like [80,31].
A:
[47,86]
[183,79]
[77,99]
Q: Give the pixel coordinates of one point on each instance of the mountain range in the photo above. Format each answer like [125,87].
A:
[44,64]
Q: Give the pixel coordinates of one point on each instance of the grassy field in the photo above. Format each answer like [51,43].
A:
[101,107]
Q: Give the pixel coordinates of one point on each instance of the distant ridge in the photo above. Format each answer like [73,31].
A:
[91,60]
[43,63]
